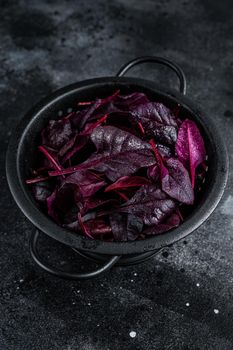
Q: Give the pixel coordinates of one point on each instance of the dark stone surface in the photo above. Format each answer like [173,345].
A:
[47,44]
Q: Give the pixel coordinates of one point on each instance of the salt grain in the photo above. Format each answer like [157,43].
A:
[187,304]
[132,334]
[131,280]
[135,274]
[198,284]
[216,311]
[21,280]
[89,304]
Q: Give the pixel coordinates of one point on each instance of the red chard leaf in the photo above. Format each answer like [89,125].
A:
[170,222]
[150,204]
[125,152]
[98,227]
[57,133]
[52,159]
[127,181]
[125,227]
[95,202]
[190,147]
[157,121]
[87,182]
[176,182]
[153,173]
[85,115]
[129,102]
[79,143]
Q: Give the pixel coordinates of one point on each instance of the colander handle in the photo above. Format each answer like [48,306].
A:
[154,59]
[63,274]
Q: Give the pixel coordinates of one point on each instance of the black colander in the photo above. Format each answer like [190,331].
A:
[20,158]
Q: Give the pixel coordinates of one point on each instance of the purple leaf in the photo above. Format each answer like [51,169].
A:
[160,160]
[175,179]
[170,222]
[82,117]
[190,147]
[176,182]
[79,142]
[125,227]
[91,126]
[67,146]
[95,202]
[150,204]
[51,158]
[98,227]
[119,153]
[157,121]
[126,182]
[153,173]
[125,152]
[57,133]
[130,102]
[120,105]
[73,223]
[94,227]
[87,182]
[165,151]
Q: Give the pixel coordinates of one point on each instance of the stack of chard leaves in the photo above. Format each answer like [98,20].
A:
[119,168]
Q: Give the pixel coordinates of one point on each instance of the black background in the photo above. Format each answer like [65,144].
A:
[47,44]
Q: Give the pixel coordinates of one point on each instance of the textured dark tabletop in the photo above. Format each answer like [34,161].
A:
[182,299]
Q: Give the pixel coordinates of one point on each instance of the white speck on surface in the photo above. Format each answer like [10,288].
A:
[198,284]
[187,304]
[131,280]
[101,284]
[98,325]
[17,287]
[78,291]
[132,334]
[216,311]
[113,293]
[135,274]
[89,304]
[73,303]
[120,287]
[21,280]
